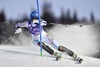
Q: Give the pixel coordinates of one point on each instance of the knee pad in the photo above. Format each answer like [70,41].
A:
[61,48]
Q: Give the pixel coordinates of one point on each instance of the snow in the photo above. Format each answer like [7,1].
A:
[18,56]
[82,40]
[77,39]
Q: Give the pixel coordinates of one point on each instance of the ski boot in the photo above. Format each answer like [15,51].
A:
[77,58]
[80,60]
[57,55]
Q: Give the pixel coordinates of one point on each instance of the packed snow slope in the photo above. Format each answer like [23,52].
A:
[81,39]
[11,56]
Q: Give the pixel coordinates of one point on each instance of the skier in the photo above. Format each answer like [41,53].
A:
[33,27]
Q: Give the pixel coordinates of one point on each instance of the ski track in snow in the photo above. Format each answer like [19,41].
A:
[24,57]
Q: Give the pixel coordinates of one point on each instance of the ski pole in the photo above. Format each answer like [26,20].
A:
[8,39]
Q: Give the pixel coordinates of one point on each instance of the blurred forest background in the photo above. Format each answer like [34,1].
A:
[7,27]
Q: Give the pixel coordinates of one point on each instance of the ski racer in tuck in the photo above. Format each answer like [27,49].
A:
[33,27]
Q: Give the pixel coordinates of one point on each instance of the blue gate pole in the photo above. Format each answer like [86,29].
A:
[40,28]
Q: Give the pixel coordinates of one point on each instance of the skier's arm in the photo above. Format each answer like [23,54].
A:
[23,24]
[19,26]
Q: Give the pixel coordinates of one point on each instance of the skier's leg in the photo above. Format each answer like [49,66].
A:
[68,51]
[50,41]
[45,46]
[53,43]
[49,50]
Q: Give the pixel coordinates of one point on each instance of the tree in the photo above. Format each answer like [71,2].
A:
[68,17]
[48,14]
[63,17]
[92,18]
[75,18]
[2,20]
[2,16]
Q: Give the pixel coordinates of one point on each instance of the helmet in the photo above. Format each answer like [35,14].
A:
[34,15]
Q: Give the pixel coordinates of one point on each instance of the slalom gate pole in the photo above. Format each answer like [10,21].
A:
[40,28]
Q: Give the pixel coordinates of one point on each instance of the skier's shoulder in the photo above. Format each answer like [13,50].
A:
[22,24]
[25,21]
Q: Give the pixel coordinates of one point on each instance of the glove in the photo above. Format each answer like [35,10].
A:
[43,23]
[18,30]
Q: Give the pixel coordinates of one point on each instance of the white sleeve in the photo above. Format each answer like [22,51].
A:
[43,22]
[23,24]
[18,30]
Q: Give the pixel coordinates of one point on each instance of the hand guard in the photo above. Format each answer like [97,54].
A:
[44,23]
[18,30]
